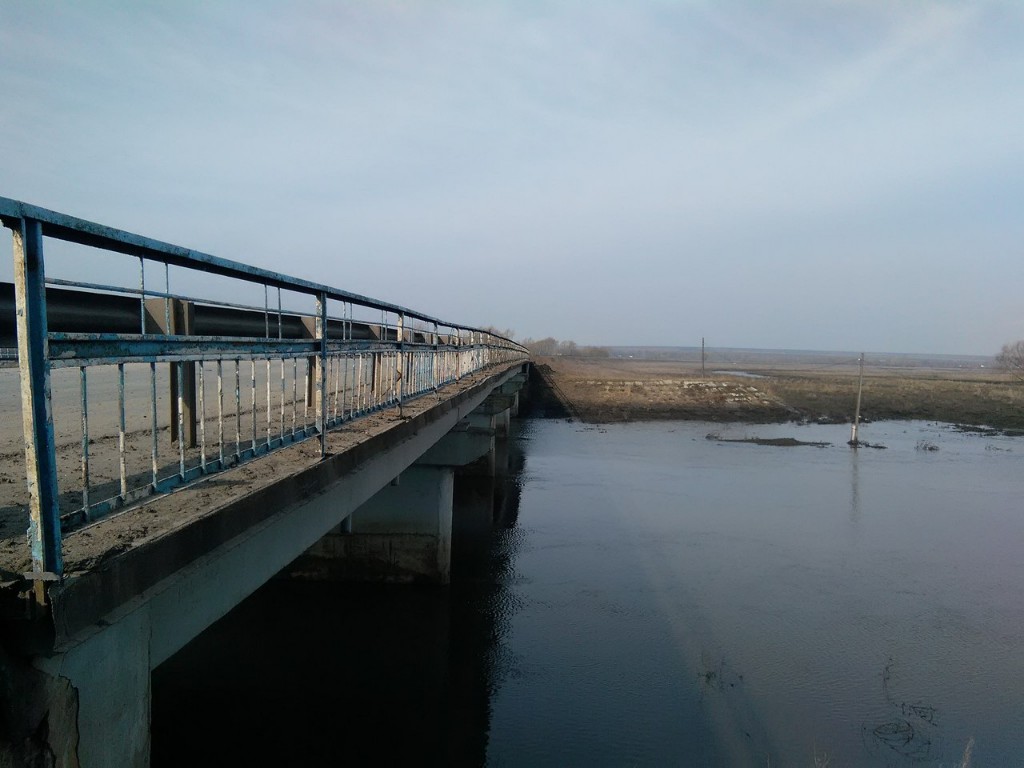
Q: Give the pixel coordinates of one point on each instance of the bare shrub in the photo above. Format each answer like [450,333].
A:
[1011,360]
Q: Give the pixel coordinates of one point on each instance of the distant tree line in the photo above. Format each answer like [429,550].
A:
[508,333]
[550,346]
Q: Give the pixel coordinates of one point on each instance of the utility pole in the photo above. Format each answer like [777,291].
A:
[702,374]
[856,415]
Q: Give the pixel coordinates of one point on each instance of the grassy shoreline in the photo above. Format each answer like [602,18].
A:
[615,390]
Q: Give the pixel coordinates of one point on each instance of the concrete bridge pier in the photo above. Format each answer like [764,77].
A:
[102,687]
[87,704]
[478,485]
[403,534]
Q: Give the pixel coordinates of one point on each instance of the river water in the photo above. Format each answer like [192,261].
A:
[650,596]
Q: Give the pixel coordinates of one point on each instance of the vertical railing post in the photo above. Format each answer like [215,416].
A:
[37,417]
[174,317]
[183,314]
[400,358]
[309,332]
[435,360]
[457,337]
[321,371]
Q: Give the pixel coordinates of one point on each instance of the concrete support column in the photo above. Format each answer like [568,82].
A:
[502,422]
[483,423]
[473,515]
[403,534]
[106,678]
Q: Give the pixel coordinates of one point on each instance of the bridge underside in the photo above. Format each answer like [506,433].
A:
[142,584]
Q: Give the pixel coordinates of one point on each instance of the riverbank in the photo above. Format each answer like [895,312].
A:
[618,390]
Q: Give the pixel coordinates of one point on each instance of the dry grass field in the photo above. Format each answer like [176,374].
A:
[609,390]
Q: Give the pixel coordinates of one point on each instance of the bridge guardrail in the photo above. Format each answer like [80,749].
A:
[236,391]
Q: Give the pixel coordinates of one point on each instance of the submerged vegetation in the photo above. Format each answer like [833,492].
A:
[780,442]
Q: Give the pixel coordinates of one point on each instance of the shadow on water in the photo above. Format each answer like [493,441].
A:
[657,599]
[314,673]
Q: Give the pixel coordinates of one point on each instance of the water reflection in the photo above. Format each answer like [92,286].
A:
[855,488]
[311,673]
[694,603]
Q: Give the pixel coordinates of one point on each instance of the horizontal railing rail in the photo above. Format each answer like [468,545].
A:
[172,387]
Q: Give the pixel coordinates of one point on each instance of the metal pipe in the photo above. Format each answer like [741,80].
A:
[155,449]
[72,229]
[362,401]
[337,380]
[85,443]
[238,408]
[142,293]
[180,371]
[321,384]
[346,395]
[202,415]
[121,437]
[394,377]
[220,413]
[351,391]
[252,400]
[167,302]
[330,373]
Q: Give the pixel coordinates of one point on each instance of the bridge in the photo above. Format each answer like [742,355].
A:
[183,428]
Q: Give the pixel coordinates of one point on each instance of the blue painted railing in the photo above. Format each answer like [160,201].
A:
[235,386]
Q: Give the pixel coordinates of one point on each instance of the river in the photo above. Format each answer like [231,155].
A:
[651,596]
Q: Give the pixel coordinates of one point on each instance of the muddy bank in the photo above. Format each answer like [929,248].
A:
[616,390]
[596,393]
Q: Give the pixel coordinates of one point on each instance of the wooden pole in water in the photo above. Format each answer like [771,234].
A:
[856,416]
[702,374]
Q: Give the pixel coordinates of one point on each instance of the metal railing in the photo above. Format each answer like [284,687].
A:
[242,379]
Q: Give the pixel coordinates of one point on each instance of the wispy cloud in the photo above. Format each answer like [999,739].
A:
[610,152]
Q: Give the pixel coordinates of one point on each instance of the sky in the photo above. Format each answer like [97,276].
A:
[799,174]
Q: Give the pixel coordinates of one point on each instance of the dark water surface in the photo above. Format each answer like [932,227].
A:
[652,597]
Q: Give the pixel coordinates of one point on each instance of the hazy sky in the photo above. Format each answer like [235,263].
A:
[808,174]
